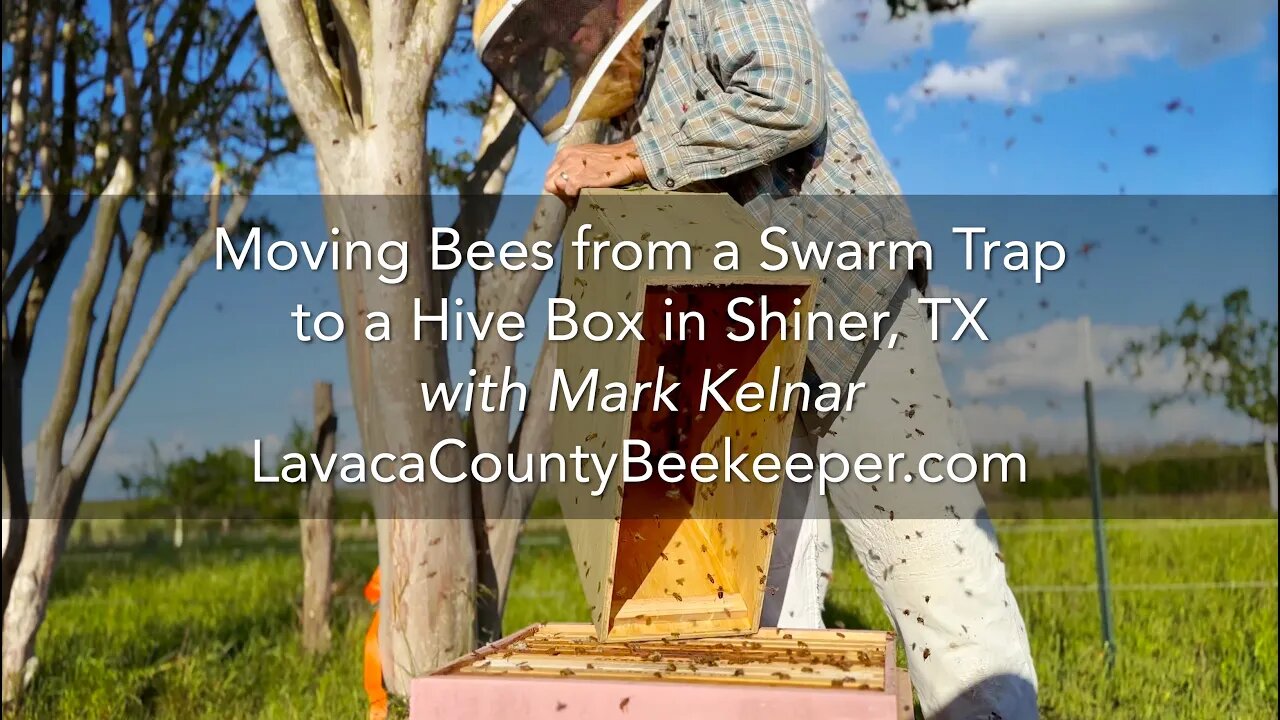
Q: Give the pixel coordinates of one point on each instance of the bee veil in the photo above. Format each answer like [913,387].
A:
[564,61]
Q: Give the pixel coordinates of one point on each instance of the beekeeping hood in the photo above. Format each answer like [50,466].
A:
[565,61]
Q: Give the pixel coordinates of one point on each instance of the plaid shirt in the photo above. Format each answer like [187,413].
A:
[745,100]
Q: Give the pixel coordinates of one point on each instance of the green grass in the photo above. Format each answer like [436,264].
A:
[211,631]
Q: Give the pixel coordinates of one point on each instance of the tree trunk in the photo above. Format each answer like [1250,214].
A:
[1269,448]
[317,531]
[505,505]
[15,508]
[28,600]
[425,548]
[534,437]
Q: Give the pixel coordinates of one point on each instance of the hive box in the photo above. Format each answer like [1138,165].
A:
[560,671]
[688,559]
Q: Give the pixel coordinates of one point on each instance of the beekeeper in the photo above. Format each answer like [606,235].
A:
[739,96]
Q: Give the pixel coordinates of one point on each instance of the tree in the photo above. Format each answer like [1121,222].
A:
[903,8]
[207,487]
[106,112]
[360,78]
[1228,353]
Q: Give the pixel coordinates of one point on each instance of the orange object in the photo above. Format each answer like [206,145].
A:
[372,663]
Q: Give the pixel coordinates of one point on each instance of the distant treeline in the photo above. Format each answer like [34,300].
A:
[1195,471]
[216,485]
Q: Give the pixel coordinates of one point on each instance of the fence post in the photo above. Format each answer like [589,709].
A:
[317,531]
[1095,486]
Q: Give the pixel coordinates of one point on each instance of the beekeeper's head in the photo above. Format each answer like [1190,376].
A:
[564,61]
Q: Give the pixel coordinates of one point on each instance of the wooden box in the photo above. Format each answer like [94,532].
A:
[658,559]
[560,671]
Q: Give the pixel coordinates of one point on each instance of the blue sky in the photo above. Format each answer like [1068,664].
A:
[1065,115]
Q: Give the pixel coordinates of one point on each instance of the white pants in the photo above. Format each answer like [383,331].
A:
[929,550]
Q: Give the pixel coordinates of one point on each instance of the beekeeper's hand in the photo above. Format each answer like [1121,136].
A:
[593,166]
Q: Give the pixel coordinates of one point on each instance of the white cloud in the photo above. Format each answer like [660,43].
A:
[999,424]
[112,458]
[1050,359]
[995,81]
[859,35]
[1101,37]
[1023,48]
[272,446]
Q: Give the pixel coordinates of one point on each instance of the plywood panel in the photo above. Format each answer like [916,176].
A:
[656,559]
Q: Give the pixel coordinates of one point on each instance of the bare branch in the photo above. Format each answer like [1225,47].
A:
[315,26]
[96,430]
[70,105]
[47,53]
[533,436]
[354,15]
[80,320]
[28,316]
[499,290]
[19,92]
[413,40]
[481,193]
[318,106]
[231,46]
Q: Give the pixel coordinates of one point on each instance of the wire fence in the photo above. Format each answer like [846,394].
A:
[547,538]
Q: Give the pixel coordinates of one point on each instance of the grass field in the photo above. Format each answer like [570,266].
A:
[211,631]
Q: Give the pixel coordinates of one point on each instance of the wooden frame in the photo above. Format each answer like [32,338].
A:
[658,560]
[561,671]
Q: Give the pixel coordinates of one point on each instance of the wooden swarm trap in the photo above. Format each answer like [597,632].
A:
[656,559]
[561,671]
